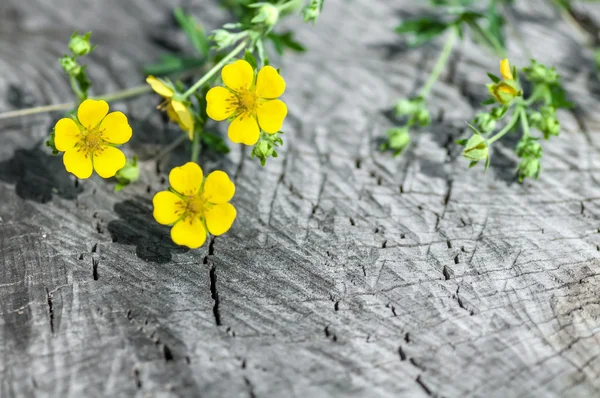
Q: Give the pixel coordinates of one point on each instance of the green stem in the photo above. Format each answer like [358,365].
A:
[524,122]
[215,69]
[508,127]
[130,92]
[196,144]
[441,63]
[76,89]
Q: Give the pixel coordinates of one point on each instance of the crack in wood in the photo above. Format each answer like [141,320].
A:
[50,310]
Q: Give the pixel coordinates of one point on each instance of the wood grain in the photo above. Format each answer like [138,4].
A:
[348,273]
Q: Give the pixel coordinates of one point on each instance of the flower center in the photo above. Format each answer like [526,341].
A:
[247,101]
[91,141]
[195,206]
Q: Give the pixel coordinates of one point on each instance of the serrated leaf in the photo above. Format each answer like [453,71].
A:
[193,30]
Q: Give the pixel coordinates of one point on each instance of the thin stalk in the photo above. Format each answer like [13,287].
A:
[508,127]
[524,122]
[441,63]
[129,92]
[76,89]
[215,69]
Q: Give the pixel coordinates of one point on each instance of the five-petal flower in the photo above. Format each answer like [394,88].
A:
[249,100]
[194,205]
[89,142]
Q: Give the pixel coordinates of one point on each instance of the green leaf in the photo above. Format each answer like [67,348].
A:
[215,142]
[494,78]
[249,57]
[421,30]
[489,101]
[281,41]
[194,31]
[169,63]
[462,141]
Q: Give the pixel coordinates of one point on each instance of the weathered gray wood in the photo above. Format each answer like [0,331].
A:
[348,273]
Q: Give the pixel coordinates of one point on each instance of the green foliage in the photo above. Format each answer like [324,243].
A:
[536,111]
[398,140]
[312,11]
[79,46]
[265,147]
[193,30]
[128,174]
[176,63]
[283,41]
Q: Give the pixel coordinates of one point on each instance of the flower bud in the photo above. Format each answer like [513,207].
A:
[505,91]
[267,14]
[422,117]
[408,106]
[528,167]
[223,38]
[70,66]
[476,149]
[398,139]
[265,147]
[128,174]
[540,73]
[485,121]
[80,45]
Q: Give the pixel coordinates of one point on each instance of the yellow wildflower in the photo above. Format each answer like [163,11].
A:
[506,90]
[249,100]
[177,111]
[89,142]
[194,205]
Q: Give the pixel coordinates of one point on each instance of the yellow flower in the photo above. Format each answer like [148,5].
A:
[506,90]
[177,111]
[89,143]
[195,205]
[505,70]
[250,101]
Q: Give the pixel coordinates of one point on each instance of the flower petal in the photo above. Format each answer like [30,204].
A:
[159,87]
[238,76]
[66,134]
[168,207]
[186,179]
[78,163]
[91,112]
[189,232]
[219,218]
[186,121]
[505,69]
[271,114]
[269,84]
[244,130]
[116,129]
[221,103]
[108,160]
[218,188]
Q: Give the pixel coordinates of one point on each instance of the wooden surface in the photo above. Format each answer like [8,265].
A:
[347,273]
